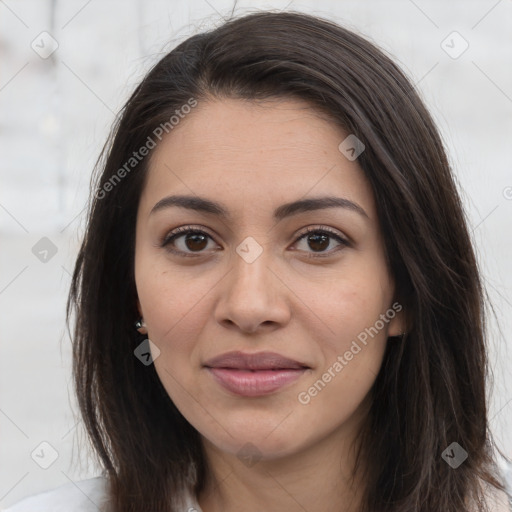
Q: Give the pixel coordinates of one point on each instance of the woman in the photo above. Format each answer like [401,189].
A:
[277,301]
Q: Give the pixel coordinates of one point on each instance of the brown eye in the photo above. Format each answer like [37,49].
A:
[318,241]
[187,242]
[196,241]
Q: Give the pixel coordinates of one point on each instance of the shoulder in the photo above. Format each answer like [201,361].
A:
[82,496]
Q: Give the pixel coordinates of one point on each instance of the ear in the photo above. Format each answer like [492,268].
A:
[397,324]
[139,309]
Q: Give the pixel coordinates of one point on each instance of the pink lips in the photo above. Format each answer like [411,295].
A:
[254,374]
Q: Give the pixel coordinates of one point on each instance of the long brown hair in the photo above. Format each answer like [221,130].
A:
[431,389]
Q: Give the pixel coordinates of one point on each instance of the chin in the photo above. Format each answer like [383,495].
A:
[257,444]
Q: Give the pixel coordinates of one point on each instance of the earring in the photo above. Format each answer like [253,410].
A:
[140,325]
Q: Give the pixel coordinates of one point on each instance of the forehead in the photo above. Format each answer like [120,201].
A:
[251,155]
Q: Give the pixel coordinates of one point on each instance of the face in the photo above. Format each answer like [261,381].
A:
[254,279]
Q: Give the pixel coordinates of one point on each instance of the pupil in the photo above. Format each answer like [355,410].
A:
[195,238]
[315,239]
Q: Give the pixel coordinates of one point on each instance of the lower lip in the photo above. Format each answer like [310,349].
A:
[255,383]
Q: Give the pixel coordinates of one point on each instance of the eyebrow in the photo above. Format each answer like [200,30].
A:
[205,205]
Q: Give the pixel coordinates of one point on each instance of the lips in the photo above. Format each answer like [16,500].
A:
[258,361]
[254,375]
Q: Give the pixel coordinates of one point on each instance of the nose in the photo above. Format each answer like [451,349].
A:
[253,297]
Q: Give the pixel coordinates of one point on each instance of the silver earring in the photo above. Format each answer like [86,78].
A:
[140,325]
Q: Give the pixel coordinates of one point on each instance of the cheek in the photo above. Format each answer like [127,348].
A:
[348,302]
[354,337]
[175,306]
[363,324]
[168,298]
[351,361]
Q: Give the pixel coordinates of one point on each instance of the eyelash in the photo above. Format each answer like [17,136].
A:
[173,235]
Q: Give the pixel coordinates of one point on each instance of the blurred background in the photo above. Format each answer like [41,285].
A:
[66,68]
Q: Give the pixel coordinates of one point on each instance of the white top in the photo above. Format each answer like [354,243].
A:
[88,495]
[83,496]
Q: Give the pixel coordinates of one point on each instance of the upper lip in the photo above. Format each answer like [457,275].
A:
[258,361]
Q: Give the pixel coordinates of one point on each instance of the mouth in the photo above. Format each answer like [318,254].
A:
[253,375]
[252,383]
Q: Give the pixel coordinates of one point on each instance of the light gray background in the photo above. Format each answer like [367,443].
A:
[54,117]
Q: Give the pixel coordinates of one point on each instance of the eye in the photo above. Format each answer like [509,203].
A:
[319,239]
[194,240]
[190,242]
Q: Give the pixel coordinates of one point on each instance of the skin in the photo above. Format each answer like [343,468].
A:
[252,158]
